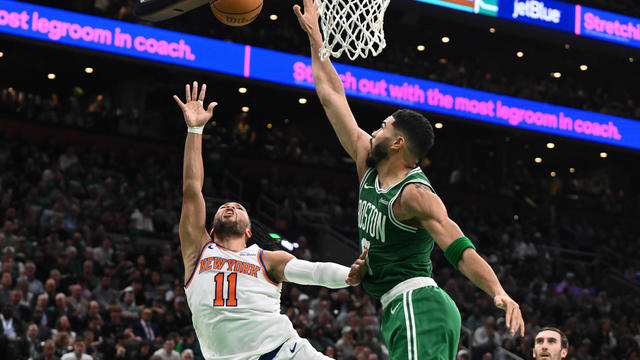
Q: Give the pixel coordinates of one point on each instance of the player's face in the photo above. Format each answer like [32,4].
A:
[380,140]
[231,219]
[548,346]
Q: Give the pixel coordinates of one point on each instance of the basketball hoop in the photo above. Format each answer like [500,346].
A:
[354,26]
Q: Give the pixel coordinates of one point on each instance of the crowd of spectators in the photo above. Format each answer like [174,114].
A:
[76,275]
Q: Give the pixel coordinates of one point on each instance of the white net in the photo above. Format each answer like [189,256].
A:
[354,26]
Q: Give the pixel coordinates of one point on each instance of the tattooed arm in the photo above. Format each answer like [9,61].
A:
[419,206]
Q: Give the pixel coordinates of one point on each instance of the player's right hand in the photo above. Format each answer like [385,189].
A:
[514,320]
[193,109]
[308,20]
[358,270]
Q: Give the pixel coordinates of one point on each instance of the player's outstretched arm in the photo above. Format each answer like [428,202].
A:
[330,90]
[193,233]
[283,266]
[420,205]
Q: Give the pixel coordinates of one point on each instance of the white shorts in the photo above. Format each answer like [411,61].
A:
[297,348]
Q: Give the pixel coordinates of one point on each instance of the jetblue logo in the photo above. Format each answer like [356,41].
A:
[536,10]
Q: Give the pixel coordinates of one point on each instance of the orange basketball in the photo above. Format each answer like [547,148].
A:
[236,12]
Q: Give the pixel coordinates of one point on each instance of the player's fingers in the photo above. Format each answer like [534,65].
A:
[296,10]
[364,254]
[513,325]
[307,4]
[203,91]
[507,316]
[211,106]
[194,91]
[180,103]
[187,90]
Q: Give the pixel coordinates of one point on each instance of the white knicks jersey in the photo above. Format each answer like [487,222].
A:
[235,305]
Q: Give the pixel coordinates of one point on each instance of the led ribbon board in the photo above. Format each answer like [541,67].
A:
[580,20]
[96,33]
[607,26]
[160,45]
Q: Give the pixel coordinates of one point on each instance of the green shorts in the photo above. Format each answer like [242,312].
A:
[422,324]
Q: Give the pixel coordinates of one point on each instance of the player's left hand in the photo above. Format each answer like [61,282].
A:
[193,109]
[513,315]
[358,269]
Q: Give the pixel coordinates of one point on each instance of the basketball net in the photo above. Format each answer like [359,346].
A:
[354,26]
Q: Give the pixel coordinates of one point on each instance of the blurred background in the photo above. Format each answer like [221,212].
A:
[90,184]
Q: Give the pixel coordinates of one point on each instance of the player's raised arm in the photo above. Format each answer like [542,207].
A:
[193,233]
[419,204]
[330,90]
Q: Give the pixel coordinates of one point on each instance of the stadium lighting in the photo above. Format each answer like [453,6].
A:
[245,109]
[553,174]
[269,126]
[214,123]
[567,46]
[584,67]
[302,100]
[492,30]
[88,70]
[519,54]
[551,145]
[572,170]
[603,155]
[538,160]
[445,39]
[439,125]
[557,75]
[242,90]
[51,76]
[631,59]
[421,47]
[273,17]
[1,54]
[516,217]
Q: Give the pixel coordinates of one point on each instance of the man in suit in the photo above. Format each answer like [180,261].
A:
[28,347]
[11,326]
[144,328]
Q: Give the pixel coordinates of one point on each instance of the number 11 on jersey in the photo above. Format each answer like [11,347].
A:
[218,298]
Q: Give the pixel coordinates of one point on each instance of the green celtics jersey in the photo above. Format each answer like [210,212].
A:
[397,252]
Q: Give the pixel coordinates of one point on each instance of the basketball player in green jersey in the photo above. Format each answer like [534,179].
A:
[399,219]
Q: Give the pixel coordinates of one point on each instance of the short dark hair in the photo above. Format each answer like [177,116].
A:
[564,341]
[417,129]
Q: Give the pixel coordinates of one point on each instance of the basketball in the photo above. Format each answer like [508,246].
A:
[236,12]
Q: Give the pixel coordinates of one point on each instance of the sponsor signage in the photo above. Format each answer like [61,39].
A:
[484,7]
[580,20]
[546,13]
[64,27]
[607,26]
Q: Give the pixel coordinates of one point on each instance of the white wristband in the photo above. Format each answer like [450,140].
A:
[195,129]
[329,275]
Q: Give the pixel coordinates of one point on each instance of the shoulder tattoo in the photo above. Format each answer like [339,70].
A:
[421,186]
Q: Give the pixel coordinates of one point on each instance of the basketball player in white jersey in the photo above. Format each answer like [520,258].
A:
[234,290]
